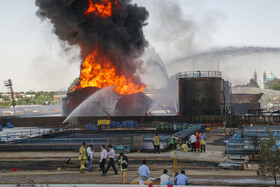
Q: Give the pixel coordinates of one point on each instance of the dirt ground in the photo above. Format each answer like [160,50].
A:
[201,168]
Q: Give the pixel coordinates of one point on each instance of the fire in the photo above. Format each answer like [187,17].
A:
[99,72]
[102,9]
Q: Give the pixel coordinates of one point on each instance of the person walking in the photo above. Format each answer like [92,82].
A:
[156,142]
[181,179]
[144,172]
[164,179]
[202,142]
[89,155]
[102,160]
[82,157]
[123,164]
[111,155]
[193,142]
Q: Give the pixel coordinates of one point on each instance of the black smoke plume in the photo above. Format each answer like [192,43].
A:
[119,37]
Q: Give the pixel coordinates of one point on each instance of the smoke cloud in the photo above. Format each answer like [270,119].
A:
[175,31]
[236,63]
[229,52]
[119,37]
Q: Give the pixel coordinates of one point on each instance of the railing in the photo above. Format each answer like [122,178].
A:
[96,142]
[61,141]
[192,74]
[249,143]
[29,133]
[187,132]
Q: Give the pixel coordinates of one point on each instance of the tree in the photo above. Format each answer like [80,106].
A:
[5,98]
[269,159]
[274,84]
[73,84]
[253,83]
[256,142]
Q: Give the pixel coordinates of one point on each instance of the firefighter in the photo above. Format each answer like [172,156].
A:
[83,157]
[123,163]
[185,147]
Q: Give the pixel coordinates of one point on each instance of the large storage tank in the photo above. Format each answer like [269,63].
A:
[200,93]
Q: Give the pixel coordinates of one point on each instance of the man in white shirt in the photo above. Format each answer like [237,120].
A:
[102,160]
[193,140]
[111,155]
[164,179]
[89,154]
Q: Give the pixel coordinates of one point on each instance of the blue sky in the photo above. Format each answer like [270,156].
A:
[32,56]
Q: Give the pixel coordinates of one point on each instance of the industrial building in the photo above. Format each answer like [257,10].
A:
[203,93]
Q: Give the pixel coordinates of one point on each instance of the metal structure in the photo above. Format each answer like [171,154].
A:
[48,139]
[201,93]
[199,74]
[9,84]
[246,140]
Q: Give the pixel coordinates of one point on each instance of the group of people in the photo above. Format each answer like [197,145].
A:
[144,172]
[197,142]
[86,156]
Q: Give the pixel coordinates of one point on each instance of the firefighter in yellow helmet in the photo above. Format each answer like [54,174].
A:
[83,157]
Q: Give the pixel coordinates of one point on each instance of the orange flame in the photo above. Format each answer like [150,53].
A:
[96,70]
[103,9]
[100,72]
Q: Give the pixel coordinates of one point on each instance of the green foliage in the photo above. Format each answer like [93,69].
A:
[73,84]
[32,98]
[253,83]
[269,159]
[274,84]
[25,101]
[5,105]
[5,98]
[41,98]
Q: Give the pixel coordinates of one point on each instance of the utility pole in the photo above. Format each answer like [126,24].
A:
[9,84]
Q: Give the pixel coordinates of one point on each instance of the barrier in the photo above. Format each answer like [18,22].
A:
[129,124]
[91,127]
[9,125]
[115,124]
[187,132]
[245,141]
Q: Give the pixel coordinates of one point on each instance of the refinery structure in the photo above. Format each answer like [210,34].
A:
[110,104]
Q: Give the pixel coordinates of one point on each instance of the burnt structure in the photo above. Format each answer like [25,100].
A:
[203,93]
[133,105]
[245,99]
[137,104]
[75,98]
